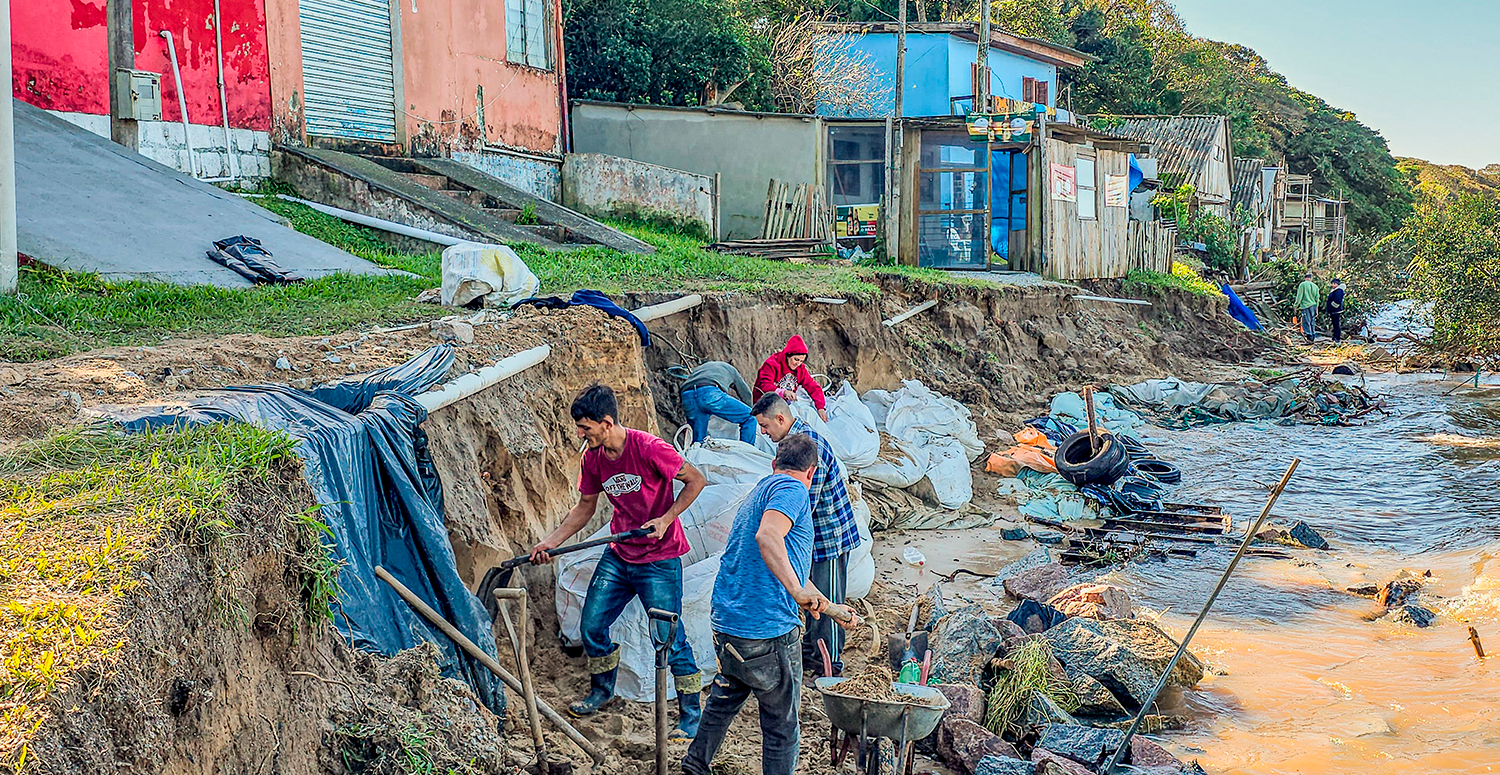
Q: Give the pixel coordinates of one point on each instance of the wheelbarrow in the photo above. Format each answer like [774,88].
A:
[865,722]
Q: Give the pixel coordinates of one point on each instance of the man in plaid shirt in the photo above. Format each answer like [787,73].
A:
[835,533]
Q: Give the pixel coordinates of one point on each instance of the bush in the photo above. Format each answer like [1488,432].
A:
[1454,250]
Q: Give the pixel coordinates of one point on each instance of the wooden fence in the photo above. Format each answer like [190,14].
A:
[797,211]
[1150,245]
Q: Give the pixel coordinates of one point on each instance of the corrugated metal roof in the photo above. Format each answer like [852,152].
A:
[1244,184]
[1184,144]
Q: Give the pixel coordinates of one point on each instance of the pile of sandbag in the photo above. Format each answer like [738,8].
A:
[923,435]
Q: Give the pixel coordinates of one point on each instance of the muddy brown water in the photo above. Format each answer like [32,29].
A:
[1309,685]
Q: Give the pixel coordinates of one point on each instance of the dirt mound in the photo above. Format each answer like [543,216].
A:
[218,668]
[1002,351]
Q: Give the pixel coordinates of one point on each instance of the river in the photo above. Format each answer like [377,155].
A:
[1309,684]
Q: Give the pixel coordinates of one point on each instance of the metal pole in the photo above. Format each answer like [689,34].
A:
[187,137]
[1135,724]
[231,166]
[9,271]
[982,71]
[894,197]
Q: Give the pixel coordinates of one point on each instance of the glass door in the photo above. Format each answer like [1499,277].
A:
[953,201]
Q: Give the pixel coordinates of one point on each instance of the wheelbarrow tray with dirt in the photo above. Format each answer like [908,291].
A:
[876,718]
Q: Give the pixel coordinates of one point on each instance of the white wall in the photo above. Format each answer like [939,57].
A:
[161,141]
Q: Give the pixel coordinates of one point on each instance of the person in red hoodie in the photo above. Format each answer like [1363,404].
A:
[787,370]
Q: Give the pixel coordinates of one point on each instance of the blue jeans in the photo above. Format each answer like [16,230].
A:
[615,583]
[1309,322]
[709,400]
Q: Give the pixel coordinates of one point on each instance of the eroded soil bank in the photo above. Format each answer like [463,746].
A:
[195,689]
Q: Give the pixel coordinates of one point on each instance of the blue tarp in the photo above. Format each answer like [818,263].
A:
[367,461]
[1239,311]
[596,299]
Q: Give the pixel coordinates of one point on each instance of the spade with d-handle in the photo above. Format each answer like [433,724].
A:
[498,577]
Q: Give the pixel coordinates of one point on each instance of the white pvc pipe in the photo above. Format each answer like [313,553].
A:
[1086,297]
[920,308]
[9,271]
[472,383]
[655,311]
[229,160]
[187,138]
[379,223]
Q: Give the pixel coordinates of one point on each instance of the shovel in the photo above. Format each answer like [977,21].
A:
[498,577]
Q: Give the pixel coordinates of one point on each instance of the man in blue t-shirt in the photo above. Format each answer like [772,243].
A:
[759,596]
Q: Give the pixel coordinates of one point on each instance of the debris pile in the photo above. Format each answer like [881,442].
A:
[1308,396]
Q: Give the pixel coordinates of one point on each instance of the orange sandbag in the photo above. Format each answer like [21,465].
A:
[1034,438]
[1011,461]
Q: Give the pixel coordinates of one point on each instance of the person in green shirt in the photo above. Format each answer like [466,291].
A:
[1307,306]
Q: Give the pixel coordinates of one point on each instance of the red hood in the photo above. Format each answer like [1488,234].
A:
[794,346]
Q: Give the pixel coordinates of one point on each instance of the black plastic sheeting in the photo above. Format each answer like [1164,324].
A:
[368,464]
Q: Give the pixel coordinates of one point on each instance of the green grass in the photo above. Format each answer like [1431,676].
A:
[81,510]
[1181,278]
[58,313]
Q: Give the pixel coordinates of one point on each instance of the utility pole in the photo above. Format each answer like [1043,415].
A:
[9,271]
[895,147]
[982,65]
[120,31]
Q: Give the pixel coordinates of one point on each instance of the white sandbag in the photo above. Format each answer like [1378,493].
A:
[720,428]
[494,273]
[851,428]
[903,465]
[952,481]
[860,573]
[730,461]
[879,403]
[918,413]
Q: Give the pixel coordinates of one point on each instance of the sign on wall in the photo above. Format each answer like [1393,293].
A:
[856,220]
[1116,190]
[1064,183]
[1001,127]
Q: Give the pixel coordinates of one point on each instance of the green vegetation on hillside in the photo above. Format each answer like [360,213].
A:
[83,509]
[1451,253]
[1443,180]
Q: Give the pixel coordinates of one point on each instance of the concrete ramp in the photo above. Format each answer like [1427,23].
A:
[444,196]
[86,204]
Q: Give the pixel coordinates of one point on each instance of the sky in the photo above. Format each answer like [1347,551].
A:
[1424,73]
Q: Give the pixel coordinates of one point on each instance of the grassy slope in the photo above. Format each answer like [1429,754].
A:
[1444,179]
[80,510]
[59,313]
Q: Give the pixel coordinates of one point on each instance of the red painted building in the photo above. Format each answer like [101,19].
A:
[476,79]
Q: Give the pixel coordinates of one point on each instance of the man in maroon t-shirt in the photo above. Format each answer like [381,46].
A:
[635,469]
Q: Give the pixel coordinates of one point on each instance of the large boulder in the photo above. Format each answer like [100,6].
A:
[1398,591]
[1086,745]
[962,644]
[1303,534]
[1094,699]
[1048,763]
[1094,601]
[1004,765]
[1042,711]
[1128,656]
[963,743]
[1146,754]
[964,702]
[1039,583]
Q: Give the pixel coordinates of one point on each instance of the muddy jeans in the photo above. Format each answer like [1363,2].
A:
[830,576]
[772,671]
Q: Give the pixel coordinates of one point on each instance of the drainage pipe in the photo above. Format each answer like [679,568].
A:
[372,222]
[658,311]
[472,383]
[187,138]
[230,164]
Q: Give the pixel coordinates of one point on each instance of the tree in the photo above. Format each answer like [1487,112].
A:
[1454,249]
[809,70]
[663,52]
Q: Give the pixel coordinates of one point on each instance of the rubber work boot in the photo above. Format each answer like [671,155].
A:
[601,694]
[689,713]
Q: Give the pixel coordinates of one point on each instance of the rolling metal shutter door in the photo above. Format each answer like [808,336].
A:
[348,84]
